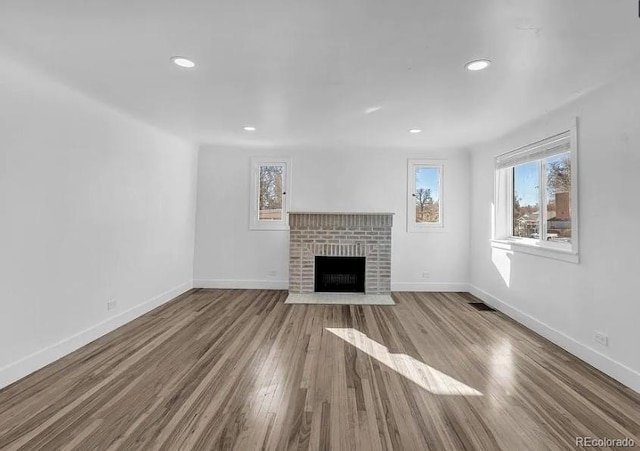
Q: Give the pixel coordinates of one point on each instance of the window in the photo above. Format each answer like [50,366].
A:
[536,197]
[424,204]
[269,193]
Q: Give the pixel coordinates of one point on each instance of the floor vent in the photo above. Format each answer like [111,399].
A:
[481,306]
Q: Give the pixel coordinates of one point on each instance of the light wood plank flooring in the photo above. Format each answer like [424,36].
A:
[239,369]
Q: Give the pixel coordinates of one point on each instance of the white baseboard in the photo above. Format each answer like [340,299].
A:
[27,365]
[284,285]
[428,286]
[613,368]
[242,284]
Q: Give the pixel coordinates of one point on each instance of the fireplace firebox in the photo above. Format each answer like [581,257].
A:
[339,274]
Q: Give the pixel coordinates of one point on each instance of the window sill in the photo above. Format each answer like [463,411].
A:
[540,251]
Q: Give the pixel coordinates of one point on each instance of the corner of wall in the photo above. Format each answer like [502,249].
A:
[43,357]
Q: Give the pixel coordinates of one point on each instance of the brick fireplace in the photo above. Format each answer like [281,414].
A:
[365,235]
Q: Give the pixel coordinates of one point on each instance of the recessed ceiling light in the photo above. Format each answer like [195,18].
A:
[183,62]
[415,130]
[477,64]
[249,128]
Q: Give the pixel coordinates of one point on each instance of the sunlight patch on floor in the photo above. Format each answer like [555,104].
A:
[418,372]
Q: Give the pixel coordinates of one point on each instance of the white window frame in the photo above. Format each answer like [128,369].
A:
[254,222]
[412,225]
[502,230]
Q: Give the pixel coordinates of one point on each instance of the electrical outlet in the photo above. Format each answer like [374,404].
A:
[426,275]
[601,338]
[112,304]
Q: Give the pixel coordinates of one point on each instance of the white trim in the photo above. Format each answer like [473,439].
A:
[242,284]
[534,249]
[284,285]
[429,286]
[254,222]
[575,226]
[412,164]
[609,366]
[49,354]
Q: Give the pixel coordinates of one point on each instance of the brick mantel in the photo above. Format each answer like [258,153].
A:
[340,235]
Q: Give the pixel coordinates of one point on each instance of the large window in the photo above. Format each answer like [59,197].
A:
[425,200]
[536,195]
[269,193]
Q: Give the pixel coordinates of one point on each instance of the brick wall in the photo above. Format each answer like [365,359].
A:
[340,235]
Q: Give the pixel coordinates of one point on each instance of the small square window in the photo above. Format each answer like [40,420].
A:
[269,193]
[425,196]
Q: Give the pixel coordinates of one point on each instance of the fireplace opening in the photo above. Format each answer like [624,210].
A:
[340,274]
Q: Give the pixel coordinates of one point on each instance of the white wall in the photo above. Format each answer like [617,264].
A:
[563,301]
[94,206]
[228,254]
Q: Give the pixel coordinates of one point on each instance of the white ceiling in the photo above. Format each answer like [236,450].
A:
[304,72]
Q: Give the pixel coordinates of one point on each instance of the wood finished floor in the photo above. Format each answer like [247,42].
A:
[239,369]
